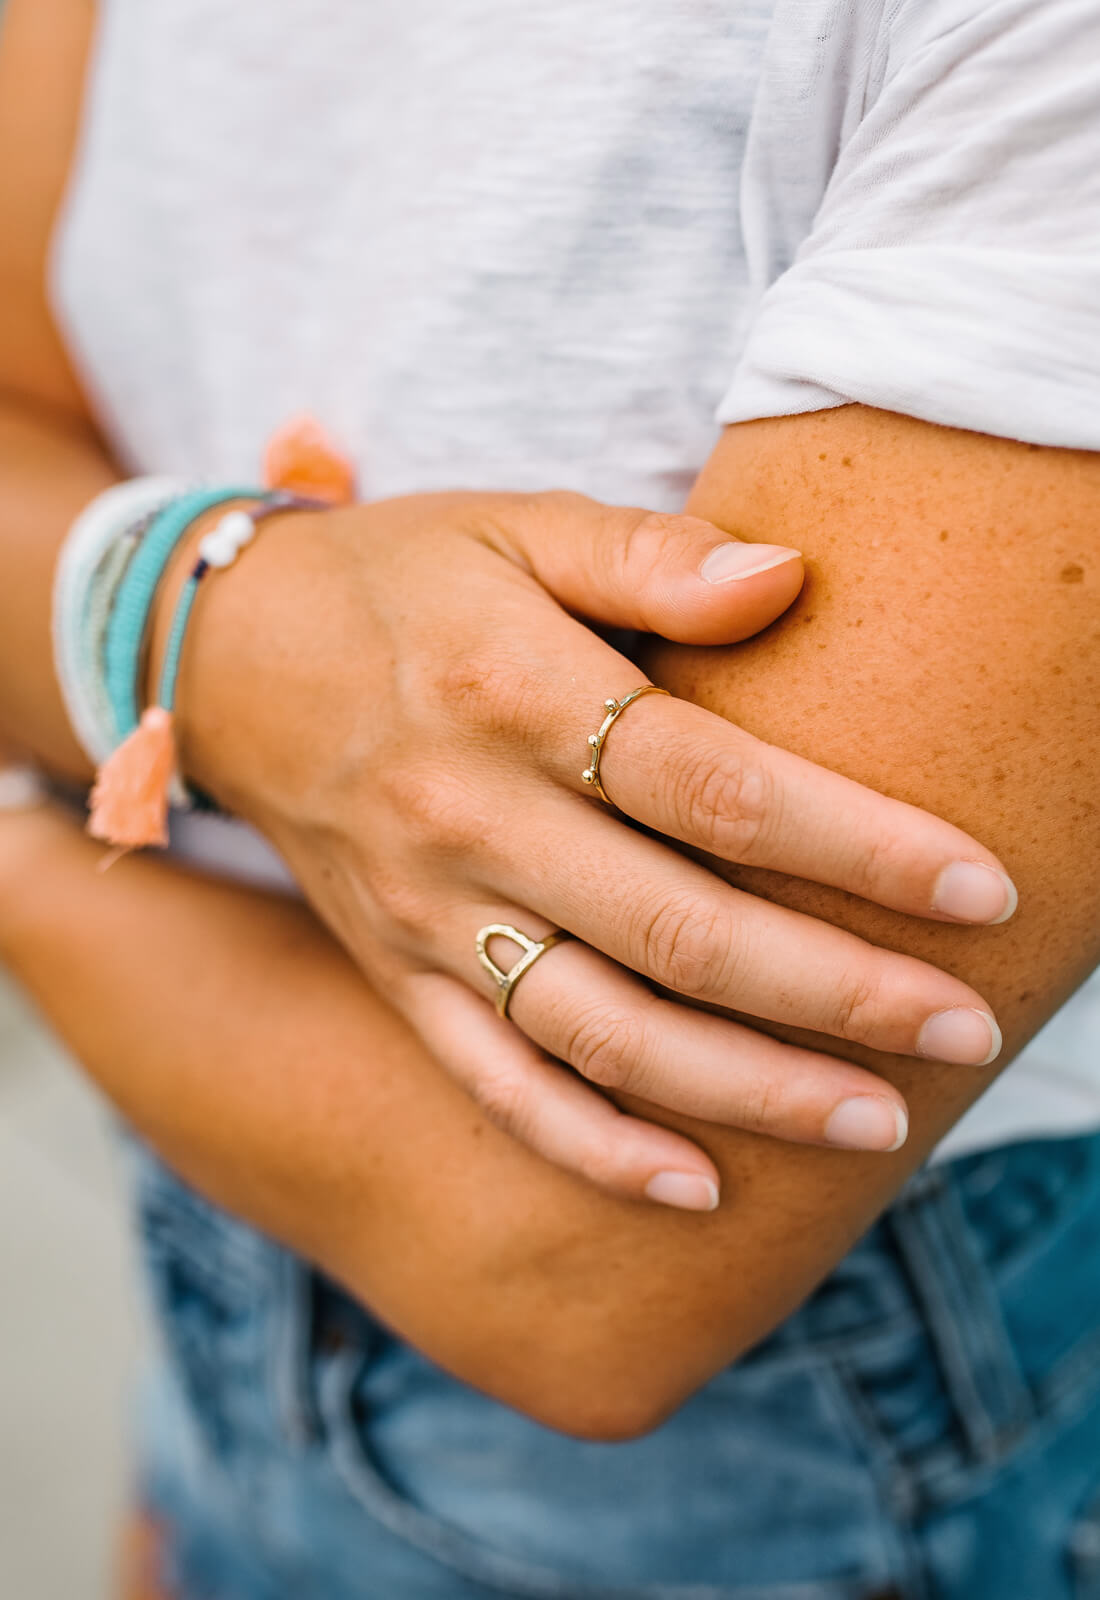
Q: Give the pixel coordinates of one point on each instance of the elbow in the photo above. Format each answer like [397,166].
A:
[609,1391]
[598,1411]
[613,1419]
[616,1367]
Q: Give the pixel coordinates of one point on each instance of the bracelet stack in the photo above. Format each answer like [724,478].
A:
[93,561]
[108,579]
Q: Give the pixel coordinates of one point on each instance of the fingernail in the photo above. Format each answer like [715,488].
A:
[867,1122]
[737,560]
[974,892]
[687,1190]
[964,1035]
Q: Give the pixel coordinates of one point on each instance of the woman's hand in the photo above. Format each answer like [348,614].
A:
[400,694]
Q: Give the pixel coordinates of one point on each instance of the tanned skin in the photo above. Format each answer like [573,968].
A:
[945,651]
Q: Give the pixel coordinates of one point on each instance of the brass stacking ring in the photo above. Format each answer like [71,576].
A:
[614,709]
[532,949]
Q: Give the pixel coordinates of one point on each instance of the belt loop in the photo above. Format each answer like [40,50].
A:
[962,1312]
[292,1329]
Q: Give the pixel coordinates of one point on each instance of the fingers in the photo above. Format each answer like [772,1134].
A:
[549,1109]
[606,1023]
[676,576]
[696,777]
[678,924]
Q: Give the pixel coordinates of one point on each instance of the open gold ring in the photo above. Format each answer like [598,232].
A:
[532,949]
[614,709]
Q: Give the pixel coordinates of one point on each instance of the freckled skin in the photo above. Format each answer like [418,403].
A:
[293,1095]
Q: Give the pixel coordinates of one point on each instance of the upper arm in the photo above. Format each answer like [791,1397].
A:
[43,50]
[946,650]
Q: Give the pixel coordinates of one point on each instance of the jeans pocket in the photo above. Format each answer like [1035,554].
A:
[505,1505]
[359,1466]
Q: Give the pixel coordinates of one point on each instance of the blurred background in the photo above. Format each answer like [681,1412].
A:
[70,1330]
[70,1325]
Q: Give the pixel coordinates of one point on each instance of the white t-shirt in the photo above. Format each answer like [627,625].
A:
[492,245]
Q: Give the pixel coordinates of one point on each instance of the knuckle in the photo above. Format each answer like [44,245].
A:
[403,905]
[858,1011]
[882,859]
[496,690]
[437,812]
[647,541]
[654,538]
[604,1043]
[684,945]
[762,1103]
[731,804]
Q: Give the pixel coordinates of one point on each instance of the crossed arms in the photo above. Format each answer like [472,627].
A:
[592,1314]
[956,672]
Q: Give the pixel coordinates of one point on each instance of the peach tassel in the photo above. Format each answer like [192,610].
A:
[301,457]
[129,804]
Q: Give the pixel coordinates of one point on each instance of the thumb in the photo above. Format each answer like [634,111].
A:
[675,576]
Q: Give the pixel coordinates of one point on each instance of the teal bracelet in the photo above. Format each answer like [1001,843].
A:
[220,548]
[129,620]
[140,779]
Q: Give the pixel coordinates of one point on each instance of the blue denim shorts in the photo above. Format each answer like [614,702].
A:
[926,1426]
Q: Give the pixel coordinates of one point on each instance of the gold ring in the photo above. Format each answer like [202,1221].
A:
[614,709]
[532,949]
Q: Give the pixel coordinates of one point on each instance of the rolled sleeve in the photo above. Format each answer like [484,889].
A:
[952,269]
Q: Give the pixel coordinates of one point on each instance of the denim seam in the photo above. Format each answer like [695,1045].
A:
[808,1351]
[288,1353]
[887,1472]
[941,1284]
[954,1481]
[943,1333]
[997,1358]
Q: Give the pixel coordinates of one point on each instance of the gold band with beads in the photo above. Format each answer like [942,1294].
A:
[614,709]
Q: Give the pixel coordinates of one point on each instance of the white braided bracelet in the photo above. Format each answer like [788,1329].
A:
[88,545]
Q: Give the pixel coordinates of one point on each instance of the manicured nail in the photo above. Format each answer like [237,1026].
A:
[964,1035]
[974,892]
[736,560]
[687,1190]
[867,1122]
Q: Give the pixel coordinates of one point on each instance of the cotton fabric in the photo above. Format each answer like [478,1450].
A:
[501,246]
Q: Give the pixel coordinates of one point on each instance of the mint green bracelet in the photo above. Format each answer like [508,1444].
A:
[129,621]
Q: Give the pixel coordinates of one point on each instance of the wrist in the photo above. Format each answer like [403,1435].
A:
[230,714]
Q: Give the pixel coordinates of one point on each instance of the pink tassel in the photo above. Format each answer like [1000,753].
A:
[129,805]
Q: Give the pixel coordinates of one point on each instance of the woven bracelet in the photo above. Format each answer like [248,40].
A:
[130,799]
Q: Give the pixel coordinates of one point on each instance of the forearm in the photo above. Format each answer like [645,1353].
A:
[51,465]
[945,651]
[231,1031]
